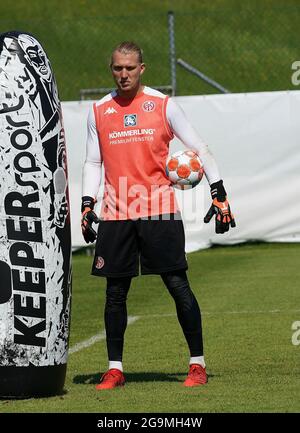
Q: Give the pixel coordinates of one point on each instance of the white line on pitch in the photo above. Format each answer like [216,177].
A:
[98,337]
[211,313]
[252,312]
[131,319]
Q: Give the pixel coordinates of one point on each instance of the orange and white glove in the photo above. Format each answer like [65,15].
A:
[88,218]
[220,207]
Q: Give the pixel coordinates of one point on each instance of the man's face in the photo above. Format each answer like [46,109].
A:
[36,56]
[126,71]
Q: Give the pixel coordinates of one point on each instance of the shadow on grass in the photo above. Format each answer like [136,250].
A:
[133,377]
[7,399]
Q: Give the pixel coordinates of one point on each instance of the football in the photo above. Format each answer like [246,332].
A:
[184,169]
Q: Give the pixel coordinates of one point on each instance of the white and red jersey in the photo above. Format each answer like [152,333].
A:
[131,138]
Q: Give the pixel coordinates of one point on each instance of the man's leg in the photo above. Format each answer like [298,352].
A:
[115,316]
[189,316]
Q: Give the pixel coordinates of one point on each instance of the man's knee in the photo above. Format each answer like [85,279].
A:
[178,285]
[116,291]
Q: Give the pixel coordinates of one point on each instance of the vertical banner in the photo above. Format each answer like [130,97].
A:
[35,233]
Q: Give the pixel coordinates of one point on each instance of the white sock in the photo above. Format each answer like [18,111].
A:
[115,364]
[197,360]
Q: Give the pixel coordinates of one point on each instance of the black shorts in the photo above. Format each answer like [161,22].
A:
[156,245]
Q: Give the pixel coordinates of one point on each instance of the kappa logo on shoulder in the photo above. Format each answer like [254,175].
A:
[110,110]
[130,120]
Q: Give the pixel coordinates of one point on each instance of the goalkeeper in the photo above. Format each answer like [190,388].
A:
[129,131]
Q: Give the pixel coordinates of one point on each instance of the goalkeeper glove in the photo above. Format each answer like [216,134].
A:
[220,207]
[88,218]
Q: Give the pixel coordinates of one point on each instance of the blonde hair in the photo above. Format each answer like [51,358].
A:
[127,47]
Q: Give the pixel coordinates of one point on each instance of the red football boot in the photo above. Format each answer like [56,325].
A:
[196,376]
[111,379]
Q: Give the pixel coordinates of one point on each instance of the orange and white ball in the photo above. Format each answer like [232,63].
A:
[184,169]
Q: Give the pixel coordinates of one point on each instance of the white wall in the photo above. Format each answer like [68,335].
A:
[255,140]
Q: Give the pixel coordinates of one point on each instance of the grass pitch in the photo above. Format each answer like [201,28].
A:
[249,298]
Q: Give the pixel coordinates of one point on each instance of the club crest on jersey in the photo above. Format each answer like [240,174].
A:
[148,106]
[99,263]
[130,120]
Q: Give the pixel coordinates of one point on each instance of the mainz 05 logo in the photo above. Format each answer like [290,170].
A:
[148,106]
[130,120]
